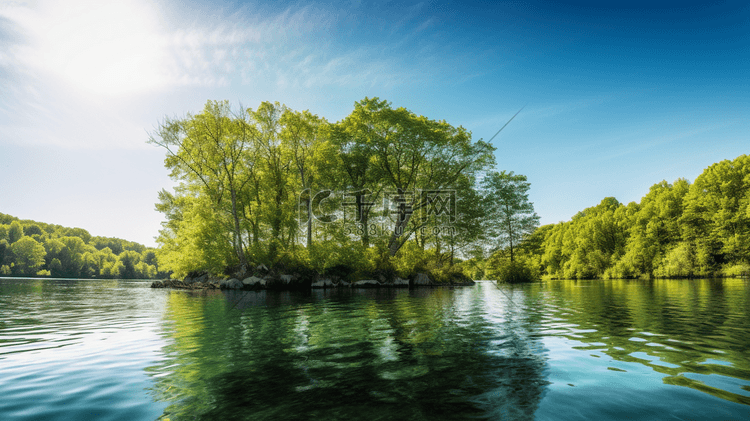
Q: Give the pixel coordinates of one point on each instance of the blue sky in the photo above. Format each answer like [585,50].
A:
[618,96]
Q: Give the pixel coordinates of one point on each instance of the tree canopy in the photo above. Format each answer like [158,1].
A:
[510,215]
[387,189]
[277,185]
[677,230]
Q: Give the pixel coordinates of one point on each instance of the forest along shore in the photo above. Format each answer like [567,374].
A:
[263,278]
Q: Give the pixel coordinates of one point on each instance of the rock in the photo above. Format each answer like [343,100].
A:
[241,272]
[366,283]
[422,279]
[286,279]
[253,281]
[194,277]
[398,282]
[234,283]
[262,268]
[174,283]
[205,285]
[177,284]
[323,283]
[223,284]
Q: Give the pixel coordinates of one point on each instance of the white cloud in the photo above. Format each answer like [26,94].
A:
[73,72]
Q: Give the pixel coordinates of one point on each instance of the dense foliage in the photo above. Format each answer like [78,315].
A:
[677,230]
[30,248]
[283,187]
[382,191]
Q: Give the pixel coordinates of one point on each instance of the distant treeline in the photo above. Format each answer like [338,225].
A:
[30,248]
[677,230]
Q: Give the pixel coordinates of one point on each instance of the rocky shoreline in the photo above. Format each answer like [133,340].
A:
[265,279]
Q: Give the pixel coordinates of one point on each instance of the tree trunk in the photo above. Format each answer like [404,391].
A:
[309,222]
[363,218]
[395,244]
[510,231]
[237,232]
[453,247]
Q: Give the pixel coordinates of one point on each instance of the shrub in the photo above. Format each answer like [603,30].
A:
[327,255]
[449,274]
[341,271]
[678,263]
[411,259]
[513,272]
[472,268]
[741,269]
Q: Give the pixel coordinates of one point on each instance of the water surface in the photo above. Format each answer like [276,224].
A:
[577,350]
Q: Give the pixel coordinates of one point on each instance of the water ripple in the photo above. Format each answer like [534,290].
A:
[556,350]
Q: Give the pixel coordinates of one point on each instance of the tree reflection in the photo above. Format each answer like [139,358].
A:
[375,354]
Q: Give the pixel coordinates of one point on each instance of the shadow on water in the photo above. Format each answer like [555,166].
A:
[435,354]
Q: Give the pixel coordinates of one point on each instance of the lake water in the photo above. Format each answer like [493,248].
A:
[559,350]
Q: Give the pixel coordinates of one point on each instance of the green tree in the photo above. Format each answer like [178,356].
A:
[459,233]
[714,219]
[55,268]
[113,269]
[15,232]
[149,257]
[77,232]
[409,153]
[302,132]
[105,258]
[356,172]
[5,256]
[90,265]
[678,229]
[115,245]
[586,246]
[130,261]
[243,176]
[510,215]
[69,251]
[28,256]
[209,150]
[274,194]
[32,229]
[652,230]
[192,237]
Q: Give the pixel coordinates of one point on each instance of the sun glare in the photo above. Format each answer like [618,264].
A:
[109,48]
